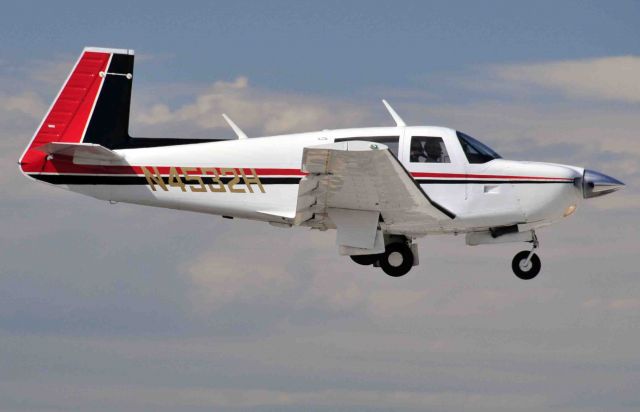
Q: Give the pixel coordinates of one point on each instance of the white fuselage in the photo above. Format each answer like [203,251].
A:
[497,193]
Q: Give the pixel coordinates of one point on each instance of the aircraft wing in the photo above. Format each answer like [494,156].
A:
[362,176]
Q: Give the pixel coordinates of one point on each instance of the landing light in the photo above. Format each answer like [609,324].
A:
[569,211]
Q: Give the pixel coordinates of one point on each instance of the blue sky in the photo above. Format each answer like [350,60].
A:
[120,307]
[329,47]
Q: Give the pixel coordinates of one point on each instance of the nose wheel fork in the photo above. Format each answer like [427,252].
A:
[526,264]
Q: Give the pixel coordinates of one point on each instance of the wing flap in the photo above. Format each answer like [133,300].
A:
[365,176]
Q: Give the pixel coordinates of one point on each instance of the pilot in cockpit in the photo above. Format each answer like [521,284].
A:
[427,150]
[417,154]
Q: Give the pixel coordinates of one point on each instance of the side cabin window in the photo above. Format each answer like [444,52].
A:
[391,141]
[476,151]
[428,149]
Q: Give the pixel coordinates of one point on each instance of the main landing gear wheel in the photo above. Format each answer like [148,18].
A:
[365,260]
[526,267]
[397,259]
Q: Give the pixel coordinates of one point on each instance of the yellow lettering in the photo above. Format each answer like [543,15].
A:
[216,180]
[252,179]
[196,179]
[234,181]
[174,179]
[154,178]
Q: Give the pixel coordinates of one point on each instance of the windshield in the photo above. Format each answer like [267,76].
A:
[476,151]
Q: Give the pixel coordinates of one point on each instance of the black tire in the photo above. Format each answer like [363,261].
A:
[394,268]
[528,272]
[365,260]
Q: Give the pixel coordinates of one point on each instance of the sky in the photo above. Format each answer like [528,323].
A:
[126,308]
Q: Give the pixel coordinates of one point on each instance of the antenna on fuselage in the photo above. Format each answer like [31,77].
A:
[396,117]
[238,131]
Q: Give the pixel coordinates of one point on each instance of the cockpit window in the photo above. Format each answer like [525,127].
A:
[476,151]
[427,149]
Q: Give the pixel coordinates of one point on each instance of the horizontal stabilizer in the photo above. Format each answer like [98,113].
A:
[82,153]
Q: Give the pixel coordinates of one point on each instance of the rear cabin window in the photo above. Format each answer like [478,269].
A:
[391,141]
[428,149]
[476,151]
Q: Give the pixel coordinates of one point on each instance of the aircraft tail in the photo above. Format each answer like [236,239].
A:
[92,106]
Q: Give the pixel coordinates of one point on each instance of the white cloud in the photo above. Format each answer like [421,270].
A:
[607,78]
[27,103]
[246,273]
[51,72]
[256,109]
[218,280]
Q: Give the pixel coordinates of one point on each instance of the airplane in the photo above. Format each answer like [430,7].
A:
[381,188]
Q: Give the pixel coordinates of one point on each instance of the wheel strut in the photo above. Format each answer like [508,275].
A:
[526,264]
[534,247]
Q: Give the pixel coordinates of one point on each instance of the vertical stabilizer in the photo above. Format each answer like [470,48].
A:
[92,106]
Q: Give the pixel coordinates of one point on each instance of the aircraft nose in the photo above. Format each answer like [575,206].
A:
[596,184]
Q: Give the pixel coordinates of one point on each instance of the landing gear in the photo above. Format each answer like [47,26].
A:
[365,260]
[397,259]
[526,267]
[526,264]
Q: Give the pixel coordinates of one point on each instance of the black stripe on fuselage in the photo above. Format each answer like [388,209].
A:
[141,180]
[68,179]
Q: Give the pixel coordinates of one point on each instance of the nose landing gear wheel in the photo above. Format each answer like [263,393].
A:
[523,269]
[397,260]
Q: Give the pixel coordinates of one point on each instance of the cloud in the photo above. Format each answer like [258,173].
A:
[609,78]
[464,303]
[242,272]
[254,109]
[51,72]
[27,103]
[631,305]
[85,395]
[219,279]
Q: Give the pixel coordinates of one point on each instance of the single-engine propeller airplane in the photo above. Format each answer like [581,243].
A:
[380,187]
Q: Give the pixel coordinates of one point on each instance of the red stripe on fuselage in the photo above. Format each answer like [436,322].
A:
[60,166]
[480,176]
